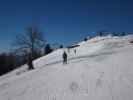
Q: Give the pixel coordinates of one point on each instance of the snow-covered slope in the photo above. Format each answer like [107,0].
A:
[101,69]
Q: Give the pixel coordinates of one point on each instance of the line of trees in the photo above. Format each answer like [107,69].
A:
[7,62]
[105,33]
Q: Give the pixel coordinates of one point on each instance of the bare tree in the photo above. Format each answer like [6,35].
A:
[30,44]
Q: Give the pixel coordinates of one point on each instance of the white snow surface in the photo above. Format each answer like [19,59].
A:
[101,69]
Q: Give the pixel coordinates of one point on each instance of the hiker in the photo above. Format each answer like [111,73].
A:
[75,51]
[64,58]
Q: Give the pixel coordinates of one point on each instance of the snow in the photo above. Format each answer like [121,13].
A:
[101,69]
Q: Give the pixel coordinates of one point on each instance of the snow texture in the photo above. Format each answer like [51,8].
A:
[101,69]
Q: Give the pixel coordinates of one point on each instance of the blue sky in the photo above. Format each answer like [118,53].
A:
[63,21]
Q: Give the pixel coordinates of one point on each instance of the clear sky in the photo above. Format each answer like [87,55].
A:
[63,21]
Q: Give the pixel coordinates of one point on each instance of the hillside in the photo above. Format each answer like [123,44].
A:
[101,69]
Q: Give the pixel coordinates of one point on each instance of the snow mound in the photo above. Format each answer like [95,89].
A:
[101,69]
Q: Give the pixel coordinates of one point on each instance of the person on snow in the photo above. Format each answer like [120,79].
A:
[75,51]
[64,58]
